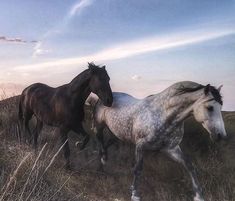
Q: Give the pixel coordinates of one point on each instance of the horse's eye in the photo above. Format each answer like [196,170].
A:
[210,108]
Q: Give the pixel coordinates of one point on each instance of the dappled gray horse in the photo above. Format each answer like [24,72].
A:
[156,123]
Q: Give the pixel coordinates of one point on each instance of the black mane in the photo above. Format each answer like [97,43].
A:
[208,88]
[184,89]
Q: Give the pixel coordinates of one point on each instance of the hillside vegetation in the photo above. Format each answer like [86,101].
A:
[39,176]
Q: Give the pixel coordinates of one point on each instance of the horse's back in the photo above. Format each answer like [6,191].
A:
[122,99]
[36,87]
[35,92]
[119,117]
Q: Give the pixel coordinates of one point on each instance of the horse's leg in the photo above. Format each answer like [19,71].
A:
[108,144]
[102,150]
[177,155]
[137,171]
[27,132]
[63,131]
[112,138]
[83,143]
[21,119]
[36,133]
[103,145]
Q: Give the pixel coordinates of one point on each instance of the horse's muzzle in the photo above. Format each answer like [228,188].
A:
[108,102]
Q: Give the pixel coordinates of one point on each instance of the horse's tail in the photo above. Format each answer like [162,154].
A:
[20,118]
[91,103]
[20,111]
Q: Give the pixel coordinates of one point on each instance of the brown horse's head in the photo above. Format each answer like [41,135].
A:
[99,84]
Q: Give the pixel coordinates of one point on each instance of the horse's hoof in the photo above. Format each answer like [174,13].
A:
[198,198]
[68,167]
[135,198]
[103,161]
[80,145]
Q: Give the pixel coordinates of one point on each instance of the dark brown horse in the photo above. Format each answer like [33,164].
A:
[62,107]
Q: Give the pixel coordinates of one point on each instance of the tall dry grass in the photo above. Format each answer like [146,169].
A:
[25,175]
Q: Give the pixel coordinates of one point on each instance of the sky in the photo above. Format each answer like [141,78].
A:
[145,45]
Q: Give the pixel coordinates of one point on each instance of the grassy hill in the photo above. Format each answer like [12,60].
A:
[28,175]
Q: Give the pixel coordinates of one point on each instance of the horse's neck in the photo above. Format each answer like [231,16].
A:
[177,108]
[79,87]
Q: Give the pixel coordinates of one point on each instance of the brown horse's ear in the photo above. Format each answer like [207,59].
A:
[91,66]
[207,89]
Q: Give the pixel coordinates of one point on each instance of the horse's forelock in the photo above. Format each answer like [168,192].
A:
[92,65]
[216,94]
[96,68]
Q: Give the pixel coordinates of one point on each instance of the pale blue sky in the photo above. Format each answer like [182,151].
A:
[146,45]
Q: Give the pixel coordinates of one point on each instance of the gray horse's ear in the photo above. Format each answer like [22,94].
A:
[219,88]
[207,89]
[103,67]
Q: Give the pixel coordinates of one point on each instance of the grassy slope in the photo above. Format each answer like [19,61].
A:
[162,179]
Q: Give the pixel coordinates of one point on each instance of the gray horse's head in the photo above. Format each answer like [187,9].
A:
[207,111]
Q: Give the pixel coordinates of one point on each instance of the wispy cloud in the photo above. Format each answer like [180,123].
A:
[39,50]
[15,40]
[79,6]
[75,9]
[161,43]
[136,77]
[133,48]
